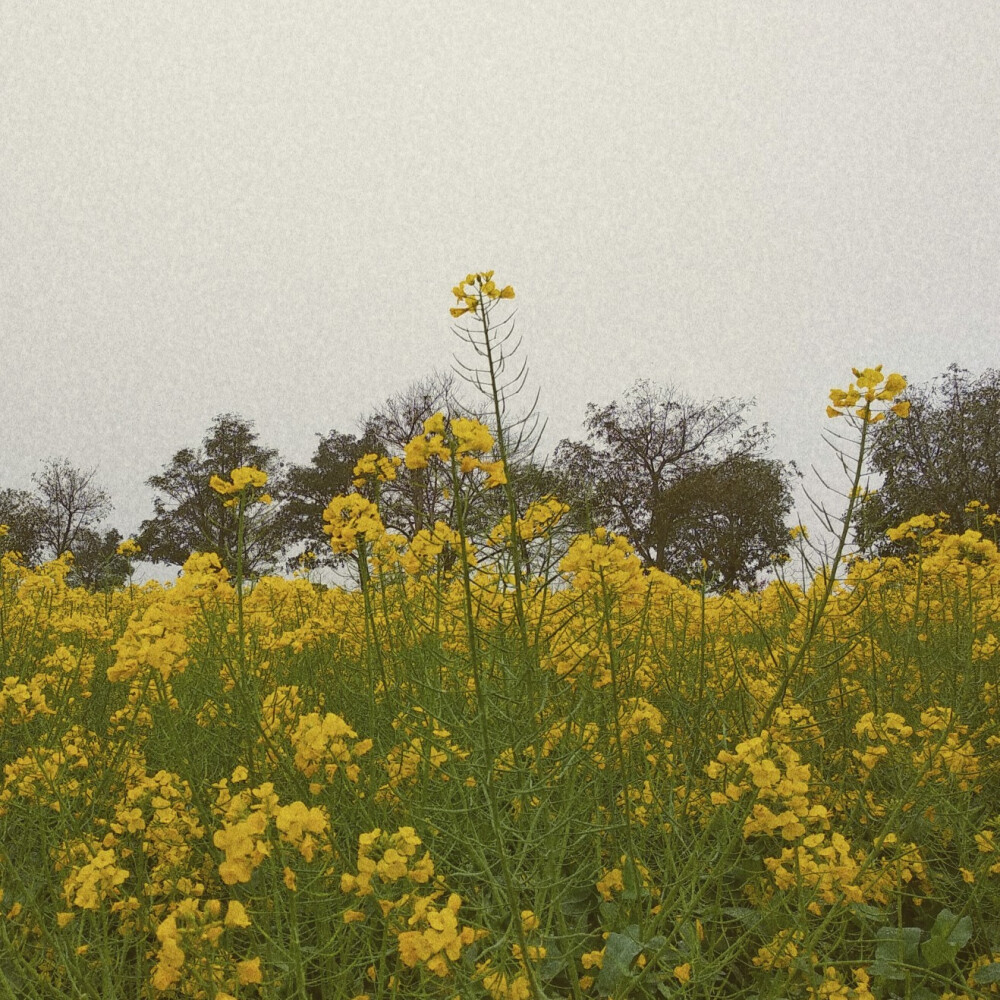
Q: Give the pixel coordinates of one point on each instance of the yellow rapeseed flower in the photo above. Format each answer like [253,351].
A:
[248,971]
[866,389]
[481,283]
[236,914]
[349,517]
[245,478]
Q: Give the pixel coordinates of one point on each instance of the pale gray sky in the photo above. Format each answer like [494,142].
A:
[261,208]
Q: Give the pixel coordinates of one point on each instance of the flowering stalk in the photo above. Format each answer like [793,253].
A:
[371,634]
[479,299]
[461,504]
[4,530]
[616,701]
[352,523]
[868,382]
[243,489]
[240,517]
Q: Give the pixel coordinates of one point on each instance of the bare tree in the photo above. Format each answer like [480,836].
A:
[416,498]
[72,502]
[419,497]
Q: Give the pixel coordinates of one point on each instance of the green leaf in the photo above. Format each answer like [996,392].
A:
[632,880]
[620,951]
[578,901]
[896,949]
[897,943]
[948,935]
[886,970]
[988,974]
[957,929]
[867,912]
[937,952]
[689,935]
[746,915]
[654,944]
[551,966]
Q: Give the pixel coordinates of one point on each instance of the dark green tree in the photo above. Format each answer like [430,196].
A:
[189,516]
[682,481]
[97,564]
[309,488]
[946,453]
[731,514]
[24,515]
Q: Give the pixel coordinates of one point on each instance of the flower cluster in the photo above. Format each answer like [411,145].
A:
[349,518]
[130,547]
[246,482]
[603,559]
[88,885]
[780,782]
[436,936]
[243,834]
[867,388]
[539,519]
[428,545]
[468,439]
[190,954]
[421,756]
[302,827]
[321,748]
[384,858]
[375,467]
[479,284]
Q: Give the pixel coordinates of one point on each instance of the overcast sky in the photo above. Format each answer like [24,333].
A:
[262,208]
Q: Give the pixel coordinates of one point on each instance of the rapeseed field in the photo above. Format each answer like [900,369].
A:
[509,767]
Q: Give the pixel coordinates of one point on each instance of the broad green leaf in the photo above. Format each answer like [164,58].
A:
[948,935]
[896,949]
[577,901]
[960,932]
[747,916]
[897,944]
[937,952]
[634,888]
[868,912]
[886,970]
[620,951]
[988,974]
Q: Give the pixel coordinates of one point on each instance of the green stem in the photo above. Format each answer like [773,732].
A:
[515,548]
[371,635]
[239,581]
[482,712]
[830,581]
[616,703]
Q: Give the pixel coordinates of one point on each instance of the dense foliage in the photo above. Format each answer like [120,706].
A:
[190,517]
[945,455]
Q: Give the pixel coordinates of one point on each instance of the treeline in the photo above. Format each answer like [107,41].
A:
[690,484]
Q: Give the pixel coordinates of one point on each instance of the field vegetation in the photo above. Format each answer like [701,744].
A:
[513,761]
